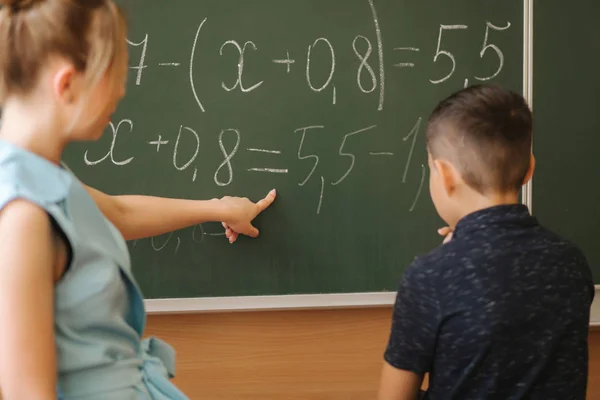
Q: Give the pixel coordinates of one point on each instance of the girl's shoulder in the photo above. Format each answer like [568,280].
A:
[26,175]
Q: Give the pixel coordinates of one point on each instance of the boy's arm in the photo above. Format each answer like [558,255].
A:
[412,342]
[145,216]
[398,384]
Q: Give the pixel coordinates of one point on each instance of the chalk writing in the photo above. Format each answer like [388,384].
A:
[176,148]
[367,78]
[140,67]
[160,247]
[309,156]
[413,133]
[191,75]
[240,66]
[379,54]
[321,195]
[342,152]
[195,234]
[487,46]
[439,52]
[419,190]
[158,142]
[331,71]
[364,64]
[405,64]
[110,153]
[272,170]
[265,151]
[228,156]
[198,233]
[324,64]
[287,61]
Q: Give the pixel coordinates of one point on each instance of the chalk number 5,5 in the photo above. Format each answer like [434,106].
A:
[487,46]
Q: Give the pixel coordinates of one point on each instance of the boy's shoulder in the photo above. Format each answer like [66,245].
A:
[430,266]
[437,258]
[549,241]
[459,259]
[570,254]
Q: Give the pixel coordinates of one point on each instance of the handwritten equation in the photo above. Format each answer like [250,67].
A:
[369,78]
[224,172]
[325,67]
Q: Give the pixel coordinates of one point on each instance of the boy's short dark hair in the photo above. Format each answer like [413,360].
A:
[486,132]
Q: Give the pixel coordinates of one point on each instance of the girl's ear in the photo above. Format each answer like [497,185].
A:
[64,85]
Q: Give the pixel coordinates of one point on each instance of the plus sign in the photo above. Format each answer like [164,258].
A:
[287,61]
[158,143]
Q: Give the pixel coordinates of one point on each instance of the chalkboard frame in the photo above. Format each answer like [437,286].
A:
[342,300]
[527,195]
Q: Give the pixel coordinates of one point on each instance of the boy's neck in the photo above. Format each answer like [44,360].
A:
[481,202]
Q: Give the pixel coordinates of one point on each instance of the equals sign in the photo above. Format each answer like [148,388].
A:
[271,170]
[265,151]
[406,64]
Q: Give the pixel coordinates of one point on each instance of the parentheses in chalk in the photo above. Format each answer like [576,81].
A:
[192,56]
[379,54]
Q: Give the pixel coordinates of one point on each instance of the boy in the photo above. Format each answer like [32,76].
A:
[501,310]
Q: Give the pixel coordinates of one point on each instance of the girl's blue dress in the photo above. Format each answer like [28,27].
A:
[99,314]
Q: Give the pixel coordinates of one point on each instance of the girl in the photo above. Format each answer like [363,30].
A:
[71,314]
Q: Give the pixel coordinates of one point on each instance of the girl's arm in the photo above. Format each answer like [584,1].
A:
[27,274]
[145,216]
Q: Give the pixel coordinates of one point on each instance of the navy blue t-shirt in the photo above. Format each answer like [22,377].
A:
[500,312]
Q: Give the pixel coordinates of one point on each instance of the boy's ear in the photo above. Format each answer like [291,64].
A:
[449,176]
[529,174]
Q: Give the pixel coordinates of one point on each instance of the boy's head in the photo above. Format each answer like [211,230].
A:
[479,144]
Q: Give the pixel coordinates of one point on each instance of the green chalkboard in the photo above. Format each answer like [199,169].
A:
[566,103]
[327,105]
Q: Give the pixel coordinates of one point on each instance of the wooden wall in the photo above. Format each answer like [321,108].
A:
[292,355]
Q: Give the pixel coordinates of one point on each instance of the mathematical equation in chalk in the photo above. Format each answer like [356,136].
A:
[224,172]
[370,74]
[325,66]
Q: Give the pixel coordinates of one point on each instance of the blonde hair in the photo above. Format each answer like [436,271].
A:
[91,34]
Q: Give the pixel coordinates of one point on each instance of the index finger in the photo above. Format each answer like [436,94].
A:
[267,201]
